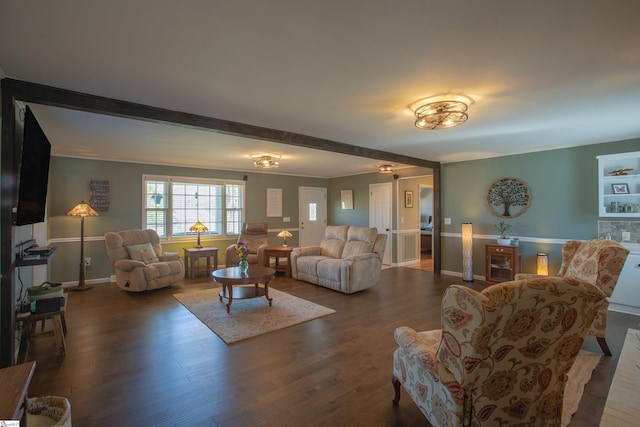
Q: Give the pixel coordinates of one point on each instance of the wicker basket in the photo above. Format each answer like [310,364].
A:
[50,411]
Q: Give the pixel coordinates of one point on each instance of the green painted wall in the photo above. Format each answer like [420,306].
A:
[564,201]
[69,184]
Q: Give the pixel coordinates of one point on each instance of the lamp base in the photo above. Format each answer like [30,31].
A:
[81,288]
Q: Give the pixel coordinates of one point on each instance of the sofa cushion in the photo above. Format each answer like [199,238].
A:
[143,252]
[308,264]
[332,248]
[360,240]
[329,269]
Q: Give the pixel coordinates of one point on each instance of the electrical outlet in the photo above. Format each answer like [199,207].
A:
[87,262]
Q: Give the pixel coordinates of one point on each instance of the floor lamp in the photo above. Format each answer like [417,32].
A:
[467,252]
[81,210]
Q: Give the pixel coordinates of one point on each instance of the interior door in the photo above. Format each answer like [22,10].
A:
[312,214]
[380,203]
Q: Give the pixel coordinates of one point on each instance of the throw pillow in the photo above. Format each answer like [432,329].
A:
[143,252]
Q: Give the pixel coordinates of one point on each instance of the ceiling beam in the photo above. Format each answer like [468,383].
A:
[63,98]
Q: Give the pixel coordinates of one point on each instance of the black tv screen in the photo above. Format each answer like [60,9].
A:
[34,172]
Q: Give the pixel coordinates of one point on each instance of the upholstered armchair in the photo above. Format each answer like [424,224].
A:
[599,263]
[502,355]
[257,236]
[139,262]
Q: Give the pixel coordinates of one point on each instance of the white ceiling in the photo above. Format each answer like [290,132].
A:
[542,75]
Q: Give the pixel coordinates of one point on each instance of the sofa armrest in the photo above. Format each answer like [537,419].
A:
[306,251]
[417,347]
[231,256]
[169,256]
[524,276]
[128,264]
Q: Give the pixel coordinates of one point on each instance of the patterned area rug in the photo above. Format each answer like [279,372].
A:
[249,317]
[579,375]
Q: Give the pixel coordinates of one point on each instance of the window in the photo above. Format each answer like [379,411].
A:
[172,205]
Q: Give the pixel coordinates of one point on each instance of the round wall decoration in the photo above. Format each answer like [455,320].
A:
[508,197]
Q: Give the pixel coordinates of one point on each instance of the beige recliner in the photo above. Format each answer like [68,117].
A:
[256,233]
[139,262]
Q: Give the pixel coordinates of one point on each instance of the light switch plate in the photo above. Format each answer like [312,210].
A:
[286,219]
[447,221]
[626,236]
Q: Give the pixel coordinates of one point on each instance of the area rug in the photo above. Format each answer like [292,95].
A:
[579,375]
[249,317]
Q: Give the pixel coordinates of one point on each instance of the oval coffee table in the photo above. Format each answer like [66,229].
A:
[228,277]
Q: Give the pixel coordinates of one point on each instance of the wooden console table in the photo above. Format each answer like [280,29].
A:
[192,254]
[13,393]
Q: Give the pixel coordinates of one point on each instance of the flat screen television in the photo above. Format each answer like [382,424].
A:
[34,172]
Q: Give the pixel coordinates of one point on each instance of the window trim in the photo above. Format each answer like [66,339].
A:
[192,180]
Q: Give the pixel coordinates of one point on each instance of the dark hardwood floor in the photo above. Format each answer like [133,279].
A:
[145,360]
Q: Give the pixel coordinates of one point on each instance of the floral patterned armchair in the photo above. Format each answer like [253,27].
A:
[502,355]
[599,263]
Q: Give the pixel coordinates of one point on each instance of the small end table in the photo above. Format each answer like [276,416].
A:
[279,252]
[192,254]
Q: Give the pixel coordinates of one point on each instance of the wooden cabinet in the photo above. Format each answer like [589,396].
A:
[619,195]
[503,262]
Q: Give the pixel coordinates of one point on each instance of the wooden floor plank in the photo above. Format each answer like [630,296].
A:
[144,359]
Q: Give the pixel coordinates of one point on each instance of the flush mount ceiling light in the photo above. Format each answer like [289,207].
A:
[385,168]
[266,161]
[432,114]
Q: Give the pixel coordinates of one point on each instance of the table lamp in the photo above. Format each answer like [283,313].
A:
[284,234]
[81,210]
[199,227]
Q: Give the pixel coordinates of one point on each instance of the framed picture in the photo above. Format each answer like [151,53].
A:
[620,188]
[408,199]
[346,198]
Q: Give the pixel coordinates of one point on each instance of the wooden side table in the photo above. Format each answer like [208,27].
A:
[503,263]
[28,332]
[192,254]
[13,393]
[279,252]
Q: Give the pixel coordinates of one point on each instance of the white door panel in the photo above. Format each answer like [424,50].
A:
[380,202]
[312,212]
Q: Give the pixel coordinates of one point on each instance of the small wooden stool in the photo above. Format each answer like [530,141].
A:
[29,330]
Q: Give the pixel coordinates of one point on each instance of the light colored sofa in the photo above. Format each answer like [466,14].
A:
[349,259]
[139,262]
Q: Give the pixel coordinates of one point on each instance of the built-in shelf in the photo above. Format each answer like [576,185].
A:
[619,195]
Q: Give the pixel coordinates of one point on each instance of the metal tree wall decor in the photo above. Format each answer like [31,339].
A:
[506,194]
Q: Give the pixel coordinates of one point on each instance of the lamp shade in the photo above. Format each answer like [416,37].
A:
[467,252]
[542,264]
[199,227]
[82,209]
[284,234]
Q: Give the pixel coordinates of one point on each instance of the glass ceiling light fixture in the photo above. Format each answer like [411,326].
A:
[440,113]
[265,161]
[385,168]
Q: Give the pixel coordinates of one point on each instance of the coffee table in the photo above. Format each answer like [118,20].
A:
[228,277]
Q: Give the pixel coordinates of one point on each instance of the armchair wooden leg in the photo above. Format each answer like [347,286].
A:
[603,346]
[396,387]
